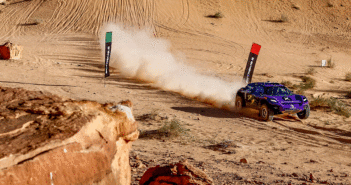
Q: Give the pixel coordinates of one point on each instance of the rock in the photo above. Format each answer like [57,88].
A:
[312,161]
[4,2]
[181,173]
[57,141]
[311,177]
[10,50]
[243,160]
[226,147]
[140,165]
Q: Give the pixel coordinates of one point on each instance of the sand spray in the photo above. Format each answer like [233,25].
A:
[138,54]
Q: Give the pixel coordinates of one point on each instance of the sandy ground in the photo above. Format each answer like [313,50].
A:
[62,55]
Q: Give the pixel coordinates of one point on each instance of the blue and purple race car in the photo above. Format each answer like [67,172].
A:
[270,99]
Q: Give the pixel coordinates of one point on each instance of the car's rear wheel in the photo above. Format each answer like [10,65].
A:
[238,103]
[266,113]
[305,113]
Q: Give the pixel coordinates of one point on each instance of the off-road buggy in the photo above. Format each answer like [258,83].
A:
[271,99]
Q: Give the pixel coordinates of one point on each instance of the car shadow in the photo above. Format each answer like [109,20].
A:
[215,112]
[209,112]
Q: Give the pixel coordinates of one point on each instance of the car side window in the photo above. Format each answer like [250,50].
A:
[249,89]
[253,90]
[258,90]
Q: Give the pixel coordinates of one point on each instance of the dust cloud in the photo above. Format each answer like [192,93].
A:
[140,55]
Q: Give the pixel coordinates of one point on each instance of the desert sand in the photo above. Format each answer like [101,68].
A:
[62,54]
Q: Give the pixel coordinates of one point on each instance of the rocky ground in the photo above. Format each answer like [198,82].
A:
[63,54]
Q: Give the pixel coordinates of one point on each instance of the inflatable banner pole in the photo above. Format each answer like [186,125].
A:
[251,62]
[108,52]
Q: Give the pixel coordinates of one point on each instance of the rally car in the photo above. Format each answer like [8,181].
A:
[271,99]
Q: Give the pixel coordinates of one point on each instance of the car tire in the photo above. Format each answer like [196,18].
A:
[305,113]
[266,113]
[238,103]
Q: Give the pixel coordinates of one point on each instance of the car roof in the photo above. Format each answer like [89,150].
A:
[266,84]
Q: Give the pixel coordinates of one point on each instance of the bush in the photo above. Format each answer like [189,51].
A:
[310,71]
[330,63]
[295,7]
[286,83]
[283,18]
[37,21]
[339,108]
[300,91]
[308,83]
[217,15]
[319,103]
[330,104]
[152,116]
[348,77]
[348,95]
[171,129]
[289,84]
[226,147]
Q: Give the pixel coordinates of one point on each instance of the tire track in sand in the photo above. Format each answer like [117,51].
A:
[88,16]
[15,15]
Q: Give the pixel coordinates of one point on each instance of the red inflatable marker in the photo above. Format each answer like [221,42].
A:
[251,62]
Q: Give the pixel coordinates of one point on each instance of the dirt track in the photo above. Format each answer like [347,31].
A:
[62,56]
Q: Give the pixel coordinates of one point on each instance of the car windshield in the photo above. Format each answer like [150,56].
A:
[278,91]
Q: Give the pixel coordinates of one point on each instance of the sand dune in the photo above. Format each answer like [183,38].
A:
[62,55]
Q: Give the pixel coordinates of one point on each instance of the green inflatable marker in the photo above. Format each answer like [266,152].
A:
[108,44]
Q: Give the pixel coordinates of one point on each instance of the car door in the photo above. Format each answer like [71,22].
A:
[254,98]
[251,97]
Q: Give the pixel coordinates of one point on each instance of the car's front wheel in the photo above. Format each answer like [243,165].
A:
[305,113]
[266,113]
[238,103]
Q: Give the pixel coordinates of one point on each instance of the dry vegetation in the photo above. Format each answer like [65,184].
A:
[172,129]
[169,130]
[330,63]
[330,104]
[295,7]
[310,71]
[226,147]
[217,15]
[307,83]
[321,103]
[329,4]
[152,116]
[348,95]
[348,77]
[283,18]
[288,84]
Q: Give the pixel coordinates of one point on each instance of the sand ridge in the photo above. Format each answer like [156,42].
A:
[62,55]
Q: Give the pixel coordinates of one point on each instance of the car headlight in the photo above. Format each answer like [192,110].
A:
[304,99]
[273,100]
